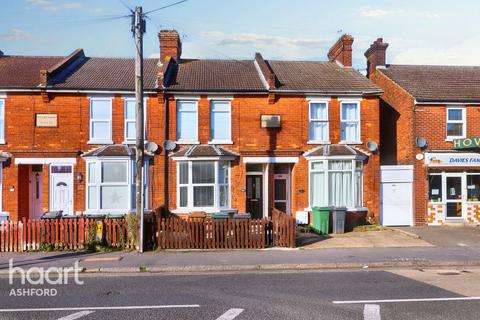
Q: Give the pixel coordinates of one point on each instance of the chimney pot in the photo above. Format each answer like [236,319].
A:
[170,45]
[341,51]
[376,55]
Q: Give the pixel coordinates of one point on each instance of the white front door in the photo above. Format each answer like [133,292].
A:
[61,188]
[35,192]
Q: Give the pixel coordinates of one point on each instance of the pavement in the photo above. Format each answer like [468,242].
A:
[362,294]
[386,238]
[448,235]
[452,251]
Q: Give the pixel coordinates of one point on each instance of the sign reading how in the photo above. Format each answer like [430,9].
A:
[46,120]
[466,143]
[452,159]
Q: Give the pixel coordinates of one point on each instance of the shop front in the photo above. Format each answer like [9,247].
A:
[453,187]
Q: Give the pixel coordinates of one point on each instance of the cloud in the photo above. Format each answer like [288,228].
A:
[55,6]
[280,47]
[15,34]
[377,13]
[458,54]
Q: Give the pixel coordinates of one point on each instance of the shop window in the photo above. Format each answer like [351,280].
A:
[435,188]
[473,187]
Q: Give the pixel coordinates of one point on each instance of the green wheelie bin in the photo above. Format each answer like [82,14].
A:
[321,219]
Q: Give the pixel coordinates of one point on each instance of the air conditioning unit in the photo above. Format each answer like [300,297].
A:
[270,121]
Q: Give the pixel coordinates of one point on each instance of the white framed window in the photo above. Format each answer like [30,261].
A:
[111,185]
[2,121]
[220,122]
[187,121]
[350,121]
[203,185]
[336,183]
[456,122]
[129,116]
[100,121]
[318,122]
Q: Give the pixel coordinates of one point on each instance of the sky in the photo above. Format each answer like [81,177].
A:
[419,32]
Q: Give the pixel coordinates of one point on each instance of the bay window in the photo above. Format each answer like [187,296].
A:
[100,121]
[456,122]
[111,185]
[350,122]
[318,122]
[336,183]
[203,184]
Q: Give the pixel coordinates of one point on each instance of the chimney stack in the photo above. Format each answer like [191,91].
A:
[170,45]
[341,51]
[376,55]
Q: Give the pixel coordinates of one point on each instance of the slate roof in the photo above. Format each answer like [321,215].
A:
[23,71]
[109,74]
[204,150]
[437,83]
[335,150]
[319,76]
[114,150]
[190,75]
[218,75]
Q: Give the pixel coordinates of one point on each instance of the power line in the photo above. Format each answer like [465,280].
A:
[164,7]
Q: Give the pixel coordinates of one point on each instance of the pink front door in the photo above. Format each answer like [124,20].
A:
[35,191]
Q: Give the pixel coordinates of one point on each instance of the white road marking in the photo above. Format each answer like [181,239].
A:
[230,314]
[371,312]
[102,308]
[406,300]
[77,315]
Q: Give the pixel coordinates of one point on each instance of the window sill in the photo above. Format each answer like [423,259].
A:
[349,209]
[318,142]
[220,142]
[132,142]
[206,210]
[351,142]
[450,139]
[100,142]
[2,141]
[187,142]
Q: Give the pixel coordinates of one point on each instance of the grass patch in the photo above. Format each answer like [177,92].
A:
[369,227]
[143,269]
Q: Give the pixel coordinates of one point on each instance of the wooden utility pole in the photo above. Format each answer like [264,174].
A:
[138,28]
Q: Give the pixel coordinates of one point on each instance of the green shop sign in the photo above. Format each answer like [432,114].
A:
[466,143]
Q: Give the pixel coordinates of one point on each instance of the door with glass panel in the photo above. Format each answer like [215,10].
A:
[255,196]
[281,185]
[454,196]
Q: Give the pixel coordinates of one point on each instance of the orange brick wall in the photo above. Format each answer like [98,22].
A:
[68,140]
[291,140]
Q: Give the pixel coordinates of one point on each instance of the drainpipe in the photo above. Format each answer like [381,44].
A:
[165,173]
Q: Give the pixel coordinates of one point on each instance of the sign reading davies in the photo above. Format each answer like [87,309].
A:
[466,143]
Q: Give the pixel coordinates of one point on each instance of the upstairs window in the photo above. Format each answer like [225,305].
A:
[220,122]
[350,122]
[130,126]
[456,121]
[2,121]
[318,122]
[100,121]
[187,121]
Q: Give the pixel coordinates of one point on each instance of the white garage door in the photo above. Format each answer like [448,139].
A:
[396,197]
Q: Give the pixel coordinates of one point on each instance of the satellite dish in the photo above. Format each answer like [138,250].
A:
[421,142]
[151,146]
[372,146]
[169,145]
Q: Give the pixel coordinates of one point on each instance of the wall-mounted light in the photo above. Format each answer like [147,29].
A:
[79,177]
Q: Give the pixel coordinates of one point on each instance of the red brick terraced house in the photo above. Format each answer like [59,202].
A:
[234,135]
[430,124]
